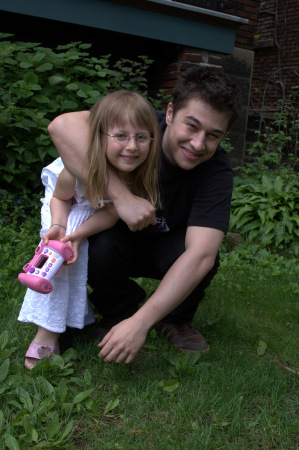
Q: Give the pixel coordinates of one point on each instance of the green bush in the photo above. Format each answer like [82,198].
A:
[278,142]
[268,211]
[36,85]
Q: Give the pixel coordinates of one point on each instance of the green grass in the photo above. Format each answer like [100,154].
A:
[243,395]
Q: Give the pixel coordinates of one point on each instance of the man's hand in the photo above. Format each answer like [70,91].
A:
[123,341]
[136,212]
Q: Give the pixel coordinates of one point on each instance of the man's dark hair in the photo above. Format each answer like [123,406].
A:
[212,87]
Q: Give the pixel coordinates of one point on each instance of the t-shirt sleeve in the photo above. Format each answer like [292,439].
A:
[212,197]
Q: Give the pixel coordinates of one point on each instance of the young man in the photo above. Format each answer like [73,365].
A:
[180,246]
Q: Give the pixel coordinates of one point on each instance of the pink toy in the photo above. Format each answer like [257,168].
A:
[44,265]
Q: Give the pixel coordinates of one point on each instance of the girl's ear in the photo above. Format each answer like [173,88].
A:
[169,113]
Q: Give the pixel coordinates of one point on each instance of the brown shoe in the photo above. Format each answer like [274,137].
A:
[184,336]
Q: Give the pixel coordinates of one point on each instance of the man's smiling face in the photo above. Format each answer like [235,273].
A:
[193,134]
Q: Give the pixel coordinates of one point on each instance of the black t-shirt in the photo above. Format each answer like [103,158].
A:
[198,197]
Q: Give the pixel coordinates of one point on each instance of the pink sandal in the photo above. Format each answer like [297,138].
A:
[37,351]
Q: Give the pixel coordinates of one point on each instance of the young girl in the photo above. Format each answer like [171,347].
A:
[123,134]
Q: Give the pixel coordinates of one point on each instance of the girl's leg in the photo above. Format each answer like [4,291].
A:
[45,343]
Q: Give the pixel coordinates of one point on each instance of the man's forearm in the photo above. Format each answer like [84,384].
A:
[177,284]
[69,133]
[183,276]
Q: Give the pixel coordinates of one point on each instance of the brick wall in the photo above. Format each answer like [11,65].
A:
[276,53]
[276,62]
[248,9]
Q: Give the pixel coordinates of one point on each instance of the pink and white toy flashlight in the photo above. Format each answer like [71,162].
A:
[44,265]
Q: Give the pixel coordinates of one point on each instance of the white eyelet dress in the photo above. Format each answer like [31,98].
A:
[67,304]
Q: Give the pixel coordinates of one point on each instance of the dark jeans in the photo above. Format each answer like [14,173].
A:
[116,255]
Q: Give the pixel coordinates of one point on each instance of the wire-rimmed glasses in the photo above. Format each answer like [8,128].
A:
[123,138]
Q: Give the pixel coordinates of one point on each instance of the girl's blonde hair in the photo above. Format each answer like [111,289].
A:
[106,113]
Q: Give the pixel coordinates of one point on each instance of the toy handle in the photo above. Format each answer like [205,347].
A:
[37,284]
[62,248]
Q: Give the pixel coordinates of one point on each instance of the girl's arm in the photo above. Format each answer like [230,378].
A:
[69,133]
[60,206]
[102,220]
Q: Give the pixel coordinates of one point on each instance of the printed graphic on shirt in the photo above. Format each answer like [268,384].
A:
[160,227]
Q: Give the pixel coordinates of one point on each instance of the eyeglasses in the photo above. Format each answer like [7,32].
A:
[123,138]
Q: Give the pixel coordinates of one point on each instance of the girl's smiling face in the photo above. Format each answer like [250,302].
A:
[126,157]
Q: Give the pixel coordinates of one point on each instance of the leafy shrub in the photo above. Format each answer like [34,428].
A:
[278,142]
[268,211]
[36,85]
[14,208]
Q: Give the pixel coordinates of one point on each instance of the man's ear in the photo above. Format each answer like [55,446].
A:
[169,113]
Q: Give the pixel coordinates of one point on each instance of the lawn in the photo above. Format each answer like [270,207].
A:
[242,395]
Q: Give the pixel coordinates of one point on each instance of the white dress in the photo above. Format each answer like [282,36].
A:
[67,304]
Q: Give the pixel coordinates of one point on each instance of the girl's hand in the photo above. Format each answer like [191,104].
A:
[73,240]
[55,233]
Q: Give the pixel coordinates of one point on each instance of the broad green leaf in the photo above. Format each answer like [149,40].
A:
[261,348]
[44,67]
[153,333]
[69,105]
[11,442]
[25,65]
[267,183]
[4,368]
[84,46]
[72,86]
[62,390]
[56,79]
[27,425]
[46,405]
[81,93]
[278,185]
[262,214]
[30,77]
[35,87]
[68,408]
[25,398]
[54,426]
[45,385]
[1,421]
[87,376]
[169,386]
[82,396]
[3,339]
[41,99]
[272,212]
[269,226]
[21,413]
[112,404]
[252,235]
[57,361]
[67,430]
[90,404]
[39,56]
